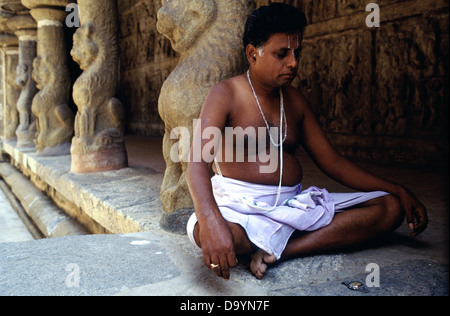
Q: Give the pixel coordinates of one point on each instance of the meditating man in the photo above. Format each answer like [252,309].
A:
[255,203]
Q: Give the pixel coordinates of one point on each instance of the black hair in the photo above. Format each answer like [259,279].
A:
[268,20]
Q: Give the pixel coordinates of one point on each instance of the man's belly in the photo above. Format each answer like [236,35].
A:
[264,173]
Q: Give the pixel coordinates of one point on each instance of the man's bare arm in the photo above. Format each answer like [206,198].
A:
[216,239]
[349,174]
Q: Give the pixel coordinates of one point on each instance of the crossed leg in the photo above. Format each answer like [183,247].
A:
[355,226]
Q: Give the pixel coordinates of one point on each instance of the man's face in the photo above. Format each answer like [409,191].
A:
[279,63]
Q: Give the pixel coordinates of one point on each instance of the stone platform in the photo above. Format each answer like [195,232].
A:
[137,257]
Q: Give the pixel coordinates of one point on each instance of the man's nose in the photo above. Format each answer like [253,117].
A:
[292,61]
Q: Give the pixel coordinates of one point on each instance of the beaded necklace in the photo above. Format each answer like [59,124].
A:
[280,144]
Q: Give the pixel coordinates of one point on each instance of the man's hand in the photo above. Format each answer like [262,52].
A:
[416,213]
[218,247]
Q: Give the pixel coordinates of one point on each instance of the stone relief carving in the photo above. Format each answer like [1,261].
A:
[338,82]
[9,44]
[24,27]
[260,3]
[409,83]
[382,87]
[316,11]
[98,144]
[146,60]
[27,126]
[54,118]
[196,30]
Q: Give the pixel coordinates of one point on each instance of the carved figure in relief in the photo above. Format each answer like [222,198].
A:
[208,35]
[11,119]
[27,125]
[342,74]
[11,95]
[54,118]
[98,143]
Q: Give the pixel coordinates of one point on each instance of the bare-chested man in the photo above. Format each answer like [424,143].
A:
[242,210]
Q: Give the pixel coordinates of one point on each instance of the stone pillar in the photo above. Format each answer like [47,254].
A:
[98,144]
[24,27]
[54,118]
[10,51]
[208,36]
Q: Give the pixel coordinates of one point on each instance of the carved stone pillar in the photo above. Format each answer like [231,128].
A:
[24,27]
[208,36]
[98,144]
[54,118]
[10,50]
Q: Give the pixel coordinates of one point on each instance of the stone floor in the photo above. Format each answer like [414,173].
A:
[156,262]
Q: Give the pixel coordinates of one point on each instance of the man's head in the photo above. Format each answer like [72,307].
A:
[268,20]
[272,39]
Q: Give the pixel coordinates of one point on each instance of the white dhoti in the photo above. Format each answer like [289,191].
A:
[269,228]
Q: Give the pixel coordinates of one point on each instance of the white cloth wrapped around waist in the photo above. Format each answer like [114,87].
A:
[244,203]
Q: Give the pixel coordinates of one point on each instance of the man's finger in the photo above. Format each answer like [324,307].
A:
[215,267]
[421,223]
[232,260]
[409,216]
[225,269]
[206,260]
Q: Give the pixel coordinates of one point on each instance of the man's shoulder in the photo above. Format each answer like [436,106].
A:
[296,96]
[294,91]
[229,86]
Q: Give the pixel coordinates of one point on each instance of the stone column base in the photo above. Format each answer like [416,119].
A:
[24,139]
[58,150]
[177,221]
[102,160]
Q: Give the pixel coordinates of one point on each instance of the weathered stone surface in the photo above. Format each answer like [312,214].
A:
[11,6]
[119,201]
[196,30]
[50,220]
[24,27]
[45,3]
[10,46]
[54,118]
[379,93]
[98,144]
[147,59]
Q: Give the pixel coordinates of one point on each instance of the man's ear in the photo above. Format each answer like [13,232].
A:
[251,52]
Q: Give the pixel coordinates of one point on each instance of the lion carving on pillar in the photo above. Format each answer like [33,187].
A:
[54,118]
[98,144]
[208,36]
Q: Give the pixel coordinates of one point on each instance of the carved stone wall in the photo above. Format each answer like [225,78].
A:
[379,93]
[147,59]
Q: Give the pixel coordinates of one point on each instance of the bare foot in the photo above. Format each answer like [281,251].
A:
[260,262]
